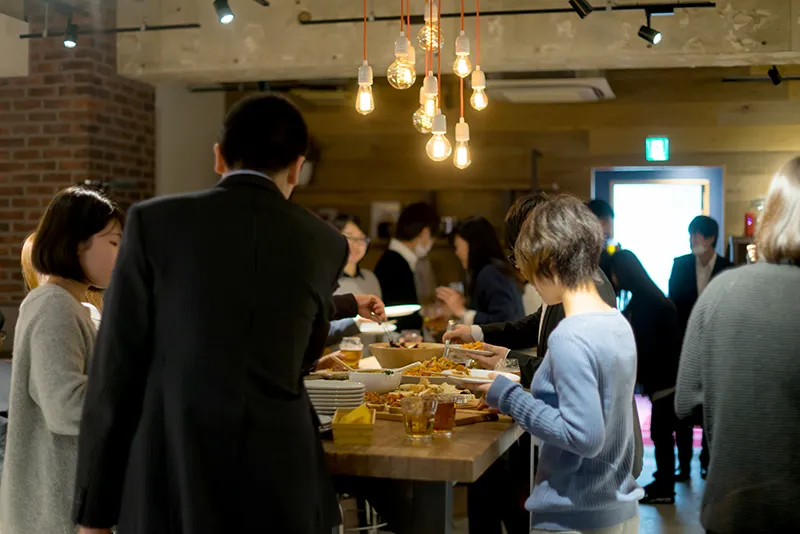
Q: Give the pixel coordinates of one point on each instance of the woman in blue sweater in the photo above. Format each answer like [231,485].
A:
[580,399]
[492,284]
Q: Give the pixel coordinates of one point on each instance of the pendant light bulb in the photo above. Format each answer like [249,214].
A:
[462,158]
[429,36]
[462,67]
[421,120]
[224,11]
[401,74]
[71,34]
[365,104]
[479,100]
[438,147]
[430,88]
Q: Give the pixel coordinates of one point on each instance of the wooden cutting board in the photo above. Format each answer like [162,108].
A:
[463,417]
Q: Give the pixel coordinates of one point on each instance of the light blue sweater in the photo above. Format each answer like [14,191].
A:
[580,407]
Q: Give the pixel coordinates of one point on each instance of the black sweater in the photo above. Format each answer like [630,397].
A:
[398,287]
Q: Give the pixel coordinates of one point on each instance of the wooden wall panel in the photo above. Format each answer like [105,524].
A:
[750,129]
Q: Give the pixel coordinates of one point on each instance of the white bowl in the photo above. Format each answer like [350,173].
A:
[382,381]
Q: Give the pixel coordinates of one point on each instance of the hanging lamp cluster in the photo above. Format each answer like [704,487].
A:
[401,75]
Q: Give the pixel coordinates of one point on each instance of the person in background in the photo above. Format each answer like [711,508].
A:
[579,404]
[355,279]
[741,362]
[75,248]
[492,282]
[414,237]
[94,296]
[605,214]
[655,326]
[196,418]
[690,276]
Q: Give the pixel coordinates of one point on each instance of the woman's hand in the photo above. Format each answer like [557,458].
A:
[490,362]
[329,362]
[452,299]
[460,334]
[371,307]
[483,390]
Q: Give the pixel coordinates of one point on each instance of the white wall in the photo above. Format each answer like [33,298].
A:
[13,50]
[187,126]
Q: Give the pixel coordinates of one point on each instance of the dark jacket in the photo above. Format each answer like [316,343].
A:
[398,287]
[496,296]
[683,285]
[196,420]
[654,322]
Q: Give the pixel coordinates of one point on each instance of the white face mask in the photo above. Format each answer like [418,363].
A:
[421,250]
[699,250]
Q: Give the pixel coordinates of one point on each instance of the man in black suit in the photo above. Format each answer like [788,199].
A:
[397,269]
[512,471]
[690,276]
[196,420]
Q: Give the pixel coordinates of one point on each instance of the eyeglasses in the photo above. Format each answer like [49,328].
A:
[512,259]
[353,239]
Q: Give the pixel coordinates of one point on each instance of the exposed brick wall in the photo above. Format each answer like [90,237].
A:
[71,119]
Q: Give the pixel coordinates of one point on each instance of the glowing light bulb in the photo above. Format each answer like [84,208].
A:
[430,106]
[462,67]
[462,158]
[401,74]
[365,104]
[479,100]
[438,147]
[421,120]
[430,95]
[430,38]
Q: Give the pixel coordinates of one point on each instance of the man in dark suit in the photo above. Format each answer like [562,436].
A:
[196,420]
[690,276]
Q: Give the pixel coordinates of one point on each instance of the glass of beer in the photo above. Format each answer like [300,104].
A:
[352,350]
[508,365]
[418,416]
[445,419]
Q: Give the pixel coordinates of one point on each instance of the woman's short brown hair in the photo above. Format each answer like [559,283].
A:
[73,216]
[778,232]
[561,241]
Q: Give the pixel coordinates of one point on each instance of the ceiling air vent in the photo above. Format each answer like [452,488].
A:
[549,91]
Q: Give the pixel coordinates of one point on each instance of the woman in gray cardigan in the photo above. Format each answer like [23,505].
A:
[75,247]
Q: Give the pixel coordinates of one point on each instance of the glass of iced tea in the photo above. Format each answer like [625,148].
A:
[352,350]
[418,416]
[445,419]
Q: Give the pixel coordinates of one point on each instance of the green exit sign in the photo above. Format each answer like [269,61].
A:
[656,148]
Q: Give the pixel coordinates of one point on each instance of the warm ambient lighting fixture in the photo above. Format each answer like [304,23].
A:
[581,7]
[478,100]
[462,158]
[438,147]
[71,34]
[430,35]
[649,34]
[401,74]
[462,67]
[224,11]
[365,104]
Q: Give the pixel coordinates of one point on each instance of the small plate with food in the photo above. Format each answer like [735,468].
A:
[471,348]
[480,376]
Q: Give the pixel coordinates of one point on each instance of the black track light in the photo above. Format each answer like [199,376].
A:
[774,75]
[581,7]
[71,34]
[224,11]
[649,34]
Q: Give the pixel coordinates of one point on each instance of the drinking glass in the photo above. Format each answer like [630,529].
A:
[445,419]
[508,365]
[352,350]
[418,416]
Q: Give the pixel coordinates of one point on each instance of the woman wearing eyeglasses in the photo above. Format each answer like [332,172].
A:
[354,279]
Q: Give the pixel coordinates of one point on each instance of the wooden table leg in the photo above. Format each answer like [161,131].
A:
[433,507]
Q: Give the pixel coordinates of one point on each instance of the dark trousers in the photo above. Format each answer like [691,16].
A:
[663,424]
[499,495]
[684,436]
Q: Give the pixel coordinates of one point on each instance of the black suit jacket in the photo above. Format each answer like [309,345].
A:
[683,285]
[398,287]
[196,420]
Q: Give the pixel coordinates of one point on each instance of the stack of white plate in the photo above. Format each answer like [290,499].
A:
[327,396]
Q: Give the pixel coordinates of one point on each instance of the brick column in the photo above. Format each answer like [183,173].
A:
[71,119]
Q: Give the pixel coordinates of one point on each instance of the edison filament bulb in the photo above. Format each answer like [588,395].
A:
[402,73]
[438,147]
[365,104]
[421,120]
[462,157]
[479,100]
[462,67]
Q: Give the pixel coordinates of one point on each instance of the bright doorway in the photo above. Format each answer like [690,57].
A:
[653,208]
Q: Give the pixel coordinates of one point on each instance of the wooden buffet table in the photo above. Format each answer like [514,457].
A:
[432,468]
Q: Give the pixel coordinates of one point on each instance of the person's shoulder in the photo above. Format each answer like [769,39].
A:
[390,257]
[490,272]
[49,303]
[684,260]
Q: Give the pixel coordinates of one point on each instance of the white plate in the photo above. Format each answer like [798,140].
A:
[403,310]
[334,385]
[359,398]
[375,328]
[481,376]
[467,352]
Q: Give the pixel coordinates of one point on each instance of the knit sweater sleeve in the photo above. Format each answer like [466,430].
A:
[58,366]
[689,387]
[577,424]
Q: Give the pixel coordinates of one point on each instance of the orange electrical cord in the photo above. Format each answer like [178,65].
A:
[439,55]
[462,15]
[365,30]
[461,80]
[402,16]
[477,32]
[408,20]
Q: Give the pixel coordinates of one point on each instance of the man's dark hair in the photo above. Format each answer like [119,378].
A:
[72,218]
[264,133]
[341,220]
[516,217]
[561,240]
[414,219]
[600,208]
[706,227]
